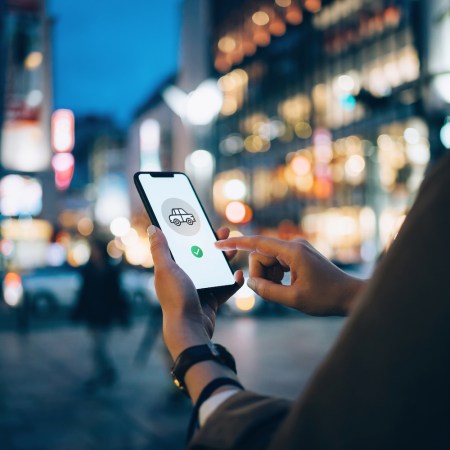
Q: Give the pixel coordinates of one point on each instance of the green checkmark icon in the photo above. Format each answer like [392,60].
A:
[196,251]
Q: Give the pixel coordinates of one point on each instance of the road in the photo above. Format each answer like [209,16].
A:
[43,405]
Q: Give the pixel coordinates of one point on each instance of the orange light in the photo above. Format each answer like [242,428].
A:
[235,212]
[323,188]
[313,6]
[261,37]
[245,303]
[221,63]
[294,15]
[238,212]
[13,280]
[277,27]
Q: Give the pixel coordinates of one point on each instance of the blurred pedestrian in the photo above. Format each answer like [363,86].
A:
[101,304]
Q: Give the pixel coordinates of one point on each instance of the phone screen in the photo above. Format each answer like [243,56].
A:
[181,218]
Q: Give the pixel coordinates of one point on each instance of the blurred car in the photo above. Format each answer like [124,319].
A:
[52,288]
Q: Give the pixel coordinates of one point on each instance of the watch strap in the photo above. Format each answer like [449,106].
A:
[196,354]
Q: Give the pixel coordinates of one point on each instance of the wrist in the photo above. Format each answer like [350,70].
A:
[181,333]
[354,287]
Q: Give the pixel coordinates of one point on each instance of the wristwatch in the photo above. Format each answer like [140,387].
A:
[198,353]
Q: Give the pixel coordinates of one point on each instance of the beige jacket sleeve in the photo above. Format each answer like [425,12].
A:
[386,383]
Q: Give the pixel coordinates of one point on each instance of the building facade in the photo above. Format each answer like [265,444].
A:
[326,128]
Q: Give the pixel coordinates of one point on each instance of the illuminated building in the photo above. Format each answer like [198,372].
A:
[28,198]
[326,121]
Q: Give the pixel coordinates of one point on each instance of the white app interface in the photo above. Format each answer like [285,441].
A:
[190,237]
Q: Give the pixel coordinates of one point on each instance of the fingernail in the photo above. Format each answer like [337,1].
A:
[251,283]
[151,230]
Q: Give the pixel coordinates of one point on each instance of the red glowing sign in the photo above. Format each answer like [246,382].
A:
[63,130]
[63,165]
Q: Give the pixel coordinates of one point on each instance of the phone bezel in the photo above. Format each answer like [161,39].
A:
[213,289]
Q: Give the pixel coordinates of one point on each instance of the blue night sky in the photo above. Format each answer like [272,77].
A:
[109,56]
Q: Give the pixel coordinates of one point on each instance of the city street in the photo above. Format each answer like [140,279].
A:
[43,404]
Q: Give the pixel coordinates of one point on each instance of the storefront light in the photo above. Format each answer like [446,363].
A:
[20,195]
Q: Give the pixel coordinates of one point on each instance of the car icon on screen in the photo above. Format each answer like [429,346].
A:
[179,215]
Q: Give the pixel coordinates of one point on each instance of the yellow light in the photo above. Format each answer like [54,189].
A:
[260,18]
[33,60]
[226,44]
[245,303]
[229,106]
[303,130]
[283,3]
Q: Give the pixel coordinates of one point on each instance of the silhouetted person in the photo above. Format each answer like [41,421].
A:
[101,304]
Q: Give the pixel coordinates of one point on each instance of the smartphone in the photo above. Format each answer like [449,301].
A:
[174,207]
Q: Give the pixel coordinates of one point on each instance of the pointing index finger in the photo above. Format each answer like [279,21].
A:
[264,245]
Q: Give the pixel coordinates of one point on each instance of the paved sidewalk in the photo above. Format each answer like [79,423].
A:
[43,405]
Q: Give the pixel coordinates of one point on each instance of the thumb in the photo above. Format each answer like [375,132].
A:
[159,248]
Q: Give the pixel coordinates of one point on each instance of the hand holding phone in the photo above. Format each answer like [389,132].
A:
[174,207]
